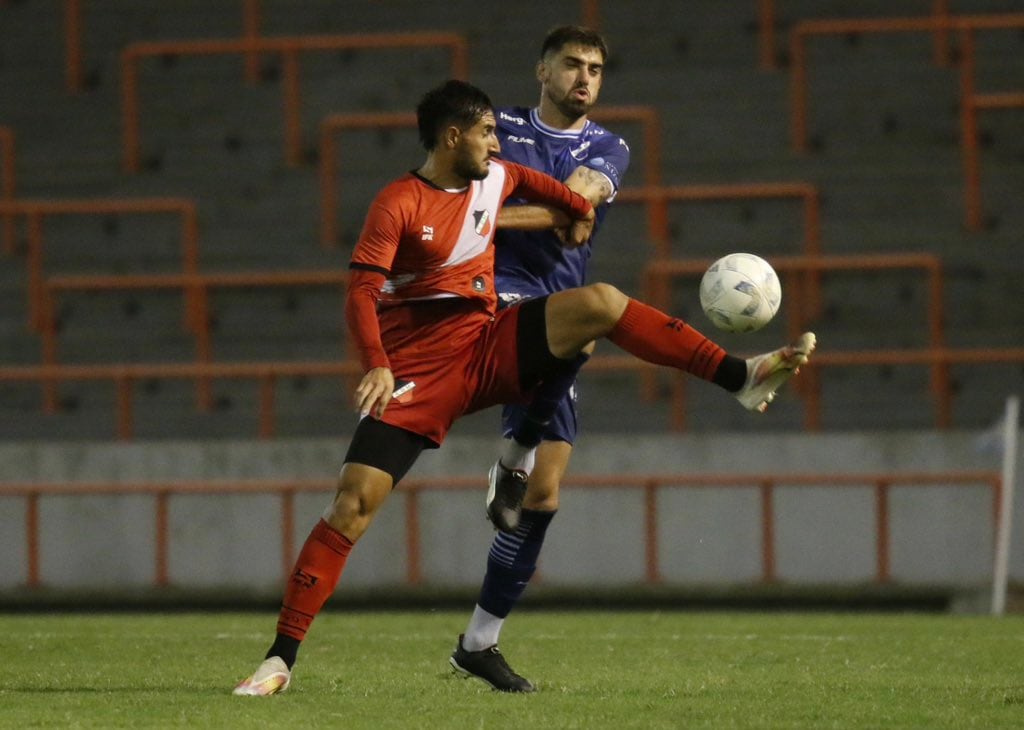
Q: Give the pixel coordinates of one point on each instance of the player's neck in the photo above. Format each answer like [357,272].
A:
[441,175]
[551,116]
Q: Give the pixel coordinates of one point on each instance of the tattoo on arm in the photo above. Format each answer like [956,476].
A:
[592,184]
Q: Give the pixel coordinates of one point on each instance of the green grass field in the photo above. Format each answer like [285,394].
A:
[594,670]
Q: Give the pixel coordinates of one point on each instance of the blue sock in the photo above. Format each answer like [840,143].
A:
[512,562]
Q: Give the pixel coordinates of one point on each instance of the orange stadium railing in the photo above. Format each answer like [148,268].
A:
[806,29]
[36,211]
[7,185]
[195,288]
[652,485]
[766,41]
[125,376]
[972,102]
[659,274]
[333,125]
[289,48]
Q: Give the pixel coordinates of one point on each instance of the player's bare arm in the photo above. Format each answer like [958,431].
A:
[591,184]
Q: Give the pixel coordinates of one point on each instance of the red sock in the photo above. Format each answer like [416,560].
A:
[655,337]
[316,573]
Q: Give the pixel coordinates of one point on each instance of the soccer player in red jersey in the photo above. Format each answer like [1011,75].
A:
[422,310]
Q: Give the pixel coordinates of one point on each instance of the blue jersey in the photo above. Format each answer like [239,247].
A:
[533,263]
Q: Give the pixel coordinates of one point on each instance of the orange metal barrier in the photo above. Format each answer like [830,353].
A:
[659,273]
[196,290]
[333,125]
[124,377]
[289,47]
[766,22]
[36,211]
[971,103]
[809,28]
[7,186]
[651,484]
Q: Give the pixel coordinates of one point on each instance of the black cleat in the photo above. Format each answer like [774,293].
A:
[505,491]
[489,666]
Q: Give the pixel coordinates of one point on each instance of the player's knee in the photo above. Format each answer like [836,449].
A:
[605,301]
[352,509]
[541,494]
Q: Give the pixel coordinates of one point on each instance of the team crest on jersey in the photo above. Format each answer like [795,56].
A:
[483,222]
[580,152]
[428,233]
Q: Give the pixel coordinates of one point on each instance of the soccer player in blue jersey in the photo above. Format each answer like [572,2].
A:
[558,138]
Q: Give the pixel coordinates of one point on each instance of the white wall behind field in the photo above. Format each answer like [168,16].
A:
[707,535]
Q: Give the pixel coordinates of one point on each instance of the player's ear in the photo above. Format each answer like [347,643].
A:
[542,71]
[450,138]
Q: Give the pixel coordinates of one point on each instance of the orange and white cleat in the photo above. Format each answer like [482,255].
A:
[766,373]
[271,677]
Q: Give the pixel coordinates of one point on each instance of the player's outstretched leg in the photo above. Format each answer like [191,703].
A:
[766,373]
[489,666]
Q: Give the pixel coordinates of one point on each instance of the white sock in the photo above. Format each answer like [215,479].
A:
[482,631]
[517,456]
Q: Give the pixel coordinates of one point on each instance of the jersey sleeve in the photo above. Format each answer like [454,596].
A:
[538,187]
[382,232]
[361,317]
[370,265]
[610,157]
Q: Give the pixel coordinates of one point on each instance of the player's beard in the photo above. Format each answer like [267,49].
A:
[466,167]
[572,109]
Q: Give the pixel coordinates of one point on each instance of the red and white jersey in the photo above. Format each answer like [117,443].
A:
[421,242]
[431,242]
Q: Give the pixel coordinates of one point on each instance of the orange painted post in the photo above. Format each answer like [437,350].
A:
[590,14]
[766,35]
[798,91]
[251,22]
[7,186]
[32,538]
[162,535]
[73,45]
[882,530]
[125,411]
[767,532]
[941,53]
[267,415]
[969,134]
[292,106]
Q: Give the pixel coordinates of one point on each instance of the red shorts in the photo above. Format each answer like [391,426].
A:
[460,357]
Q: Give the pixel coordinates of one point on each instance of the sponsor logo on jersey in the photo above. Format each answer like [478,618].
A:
[580,153]
[428,233]
[510,118]
[520,140]
[483,222]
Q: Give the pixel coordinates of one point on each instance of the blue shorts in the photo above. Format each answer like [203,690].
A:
[564,424]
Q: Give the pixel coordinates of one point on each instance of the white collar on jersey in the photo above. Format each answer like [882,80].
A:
[554,131]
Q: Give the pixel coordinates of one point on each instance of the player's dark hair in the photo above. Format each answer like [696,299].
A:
[452,103]
[577,34]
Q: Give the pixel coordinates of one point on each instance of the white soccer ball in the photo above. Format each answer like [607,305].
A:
[740,292]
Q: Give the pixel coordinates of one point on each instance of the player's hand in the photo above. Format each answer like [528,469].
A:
[579,231]
[374,392]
